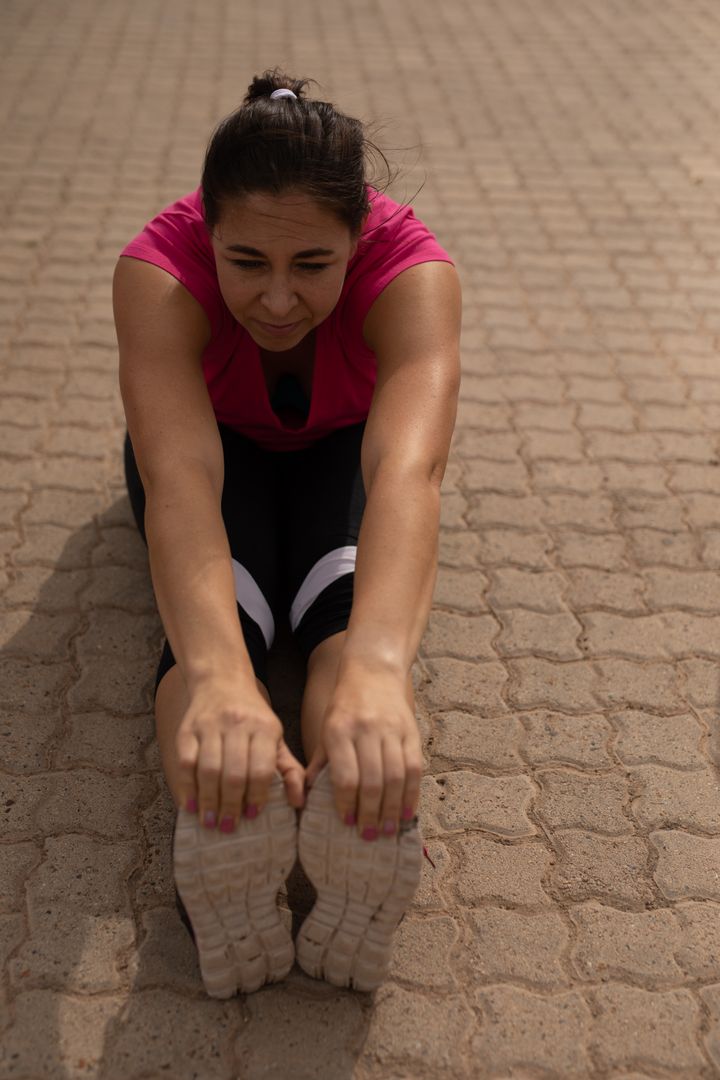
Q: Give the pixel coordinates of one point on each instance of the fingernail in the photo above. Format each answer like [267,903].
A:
[350,818]
[191,806]
[226,825]
[210,819]
[369,833]
[389,828]
[407,813]
[251,810]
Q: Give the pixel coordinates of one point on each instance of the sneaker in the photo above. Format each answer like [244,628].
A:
[363,890]
[228,885]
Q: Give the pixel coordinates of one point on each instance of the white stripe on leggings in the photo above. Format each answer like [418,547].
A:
[324,572]
[252,601]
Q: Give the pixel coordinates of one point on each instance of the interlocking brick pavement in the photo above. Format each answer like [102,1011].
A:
[568,684]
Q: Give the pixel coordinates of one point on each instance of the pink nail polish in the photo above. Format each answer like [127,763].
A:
[210,819]
[389,828]
[251,810]
[226,825]
[369,833]
[350,818]
[191,806]
[407,813]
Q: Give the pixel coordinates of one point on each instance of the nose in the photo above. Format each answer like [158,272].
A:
[279,298]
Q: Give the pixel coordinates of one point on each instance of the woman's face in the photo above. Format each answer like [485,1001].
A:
[281,262]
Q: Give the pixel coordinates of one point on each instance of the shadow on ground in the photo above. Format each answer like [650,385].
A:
[107,971]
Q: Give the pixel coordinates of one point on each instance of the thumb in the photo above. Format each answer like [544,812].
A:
[317,761]
[293,775]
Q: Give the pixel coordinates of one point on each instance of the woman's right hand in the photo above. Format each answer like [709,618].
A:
[229,745]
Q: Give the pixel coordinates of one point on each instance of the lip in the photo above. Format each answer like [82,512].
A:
[278,331]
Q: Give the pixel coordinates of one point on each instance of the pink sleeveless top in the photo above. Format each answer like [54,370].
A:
[345,367]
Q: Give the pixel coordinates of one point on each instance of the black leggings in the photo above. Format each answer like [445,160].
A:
[292,520]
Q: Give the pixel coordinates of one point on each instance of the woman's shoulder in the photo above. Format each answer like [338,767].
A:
[393,239]
[176,240]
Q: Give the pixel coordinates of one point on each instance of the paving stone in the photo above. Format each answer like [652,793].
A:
[499,945]
[113,684]
[490,870]
[554,636]
[651,637]
[462,636]
[466,686]
[509,547]
[510,478]
[119,587]
[166,955]
[505,511]
[702,682]
[47,637]
[664,740]
[651,547]
[16,862]
[710,553]
[71,801]
[542,592]
[558,738]
[687,865]
[593,513]
[611,868]
[698,951]
[571,800]
[79,917]
[657,1030]
[695,590]
[464,739]
[637,945]
[635,511]
[624,684]
[702,510]
[46,590]
[461,590]
[458,550]
[153,884]
[496,804]
[30,712]
[55,547]
[422,949]
[420,1032]
[602,551]
[710,997]
[525,1030]
[591,588]
[102,741]
[430,895]
[670,798]
[538,683]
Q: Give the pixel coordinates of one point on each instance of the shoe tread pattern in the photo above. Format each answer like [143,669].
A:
[229,883]
[363,890]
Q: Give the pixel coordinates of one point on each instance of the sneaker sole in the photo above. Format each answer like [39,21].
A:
[363,890]
[229,883]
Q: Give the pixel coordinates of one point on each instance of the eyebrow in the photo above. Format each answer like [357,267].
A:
[309,254]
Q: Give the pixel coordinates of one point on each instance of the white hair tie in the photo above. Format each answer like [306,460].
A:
[282,93]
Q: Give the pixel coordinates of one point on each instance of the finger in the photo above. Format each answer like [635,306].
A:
[345,776]
[393,760]
[209,767]
[186,749]
[317,762]
[234,777]
[413,776]
[262,759]
[369,753]
[293,775]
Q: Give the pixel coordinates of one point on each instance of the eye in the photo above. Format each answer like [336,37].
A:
[247,264]
[313,266]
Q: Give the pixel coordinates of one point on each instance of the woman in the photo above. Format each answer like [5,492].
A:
[289,365]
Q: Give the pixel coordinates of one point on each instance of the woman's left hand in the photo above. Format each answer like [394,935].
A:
[371,740]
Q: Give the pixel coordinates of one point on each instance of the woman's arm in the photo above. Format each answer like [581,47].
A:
[162,332]
[370,732]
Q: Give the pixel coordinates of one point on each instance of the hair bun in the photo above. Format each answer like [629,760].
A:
[274,79]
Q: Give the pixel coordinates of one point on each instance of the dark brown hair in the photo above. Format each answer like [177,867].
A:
[281,144]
